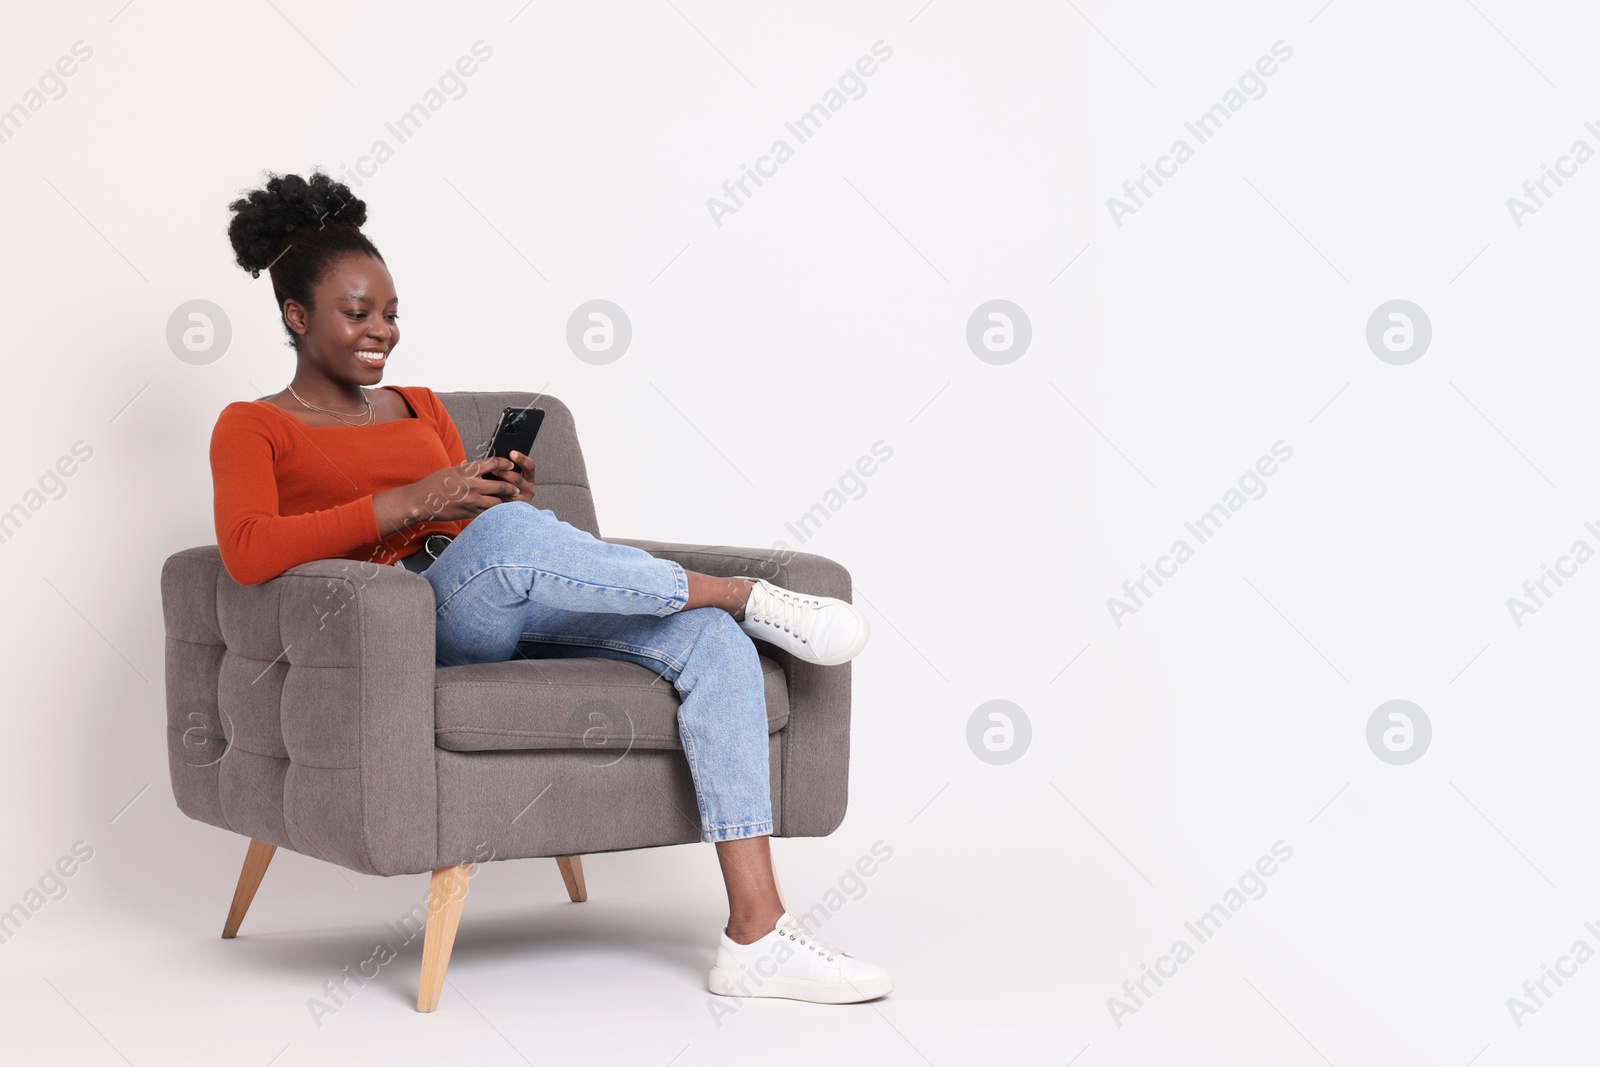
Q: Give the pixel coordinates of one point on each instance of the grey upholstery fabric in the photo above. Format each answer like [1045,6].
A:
[300,710]
[306,712]
[591,704]
[551,803]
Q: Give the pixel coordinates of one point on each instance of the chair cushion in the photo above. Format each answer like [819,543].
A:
[602,705]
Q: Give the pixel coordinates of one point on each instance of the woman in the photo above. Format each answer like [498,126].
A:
[336,467]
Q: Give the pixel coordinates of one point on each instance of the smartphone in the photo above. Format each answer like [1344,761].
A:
[518,427]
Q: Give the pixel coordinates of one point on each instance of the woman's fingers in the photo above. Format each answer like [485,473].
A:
[525,471]
[496,480]
[478,468]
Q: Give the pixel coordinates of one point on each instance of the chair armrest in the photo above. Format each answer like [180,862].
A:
[814,778]
[300,710]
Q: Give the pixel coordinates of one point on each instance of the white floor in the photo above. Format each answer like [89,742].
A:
[1006,946]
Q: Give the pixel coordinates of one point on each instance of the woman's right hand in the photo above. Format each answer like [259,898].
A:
[447,495]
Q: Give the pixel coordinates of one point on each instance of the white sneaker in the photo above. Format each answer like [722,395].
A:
[817,629]
[791,963]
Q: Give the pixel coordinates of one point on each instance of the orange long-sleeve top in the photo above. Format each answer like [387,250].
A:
[286,493]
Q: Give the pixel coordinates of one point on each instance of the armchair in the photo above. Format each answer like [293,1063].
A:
[307,713]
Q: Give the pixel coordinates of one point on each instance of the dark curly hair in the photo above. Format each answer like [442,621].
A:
[295,229]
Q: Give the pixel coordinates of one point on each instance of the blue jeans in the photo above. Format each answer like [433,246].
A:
[520,582]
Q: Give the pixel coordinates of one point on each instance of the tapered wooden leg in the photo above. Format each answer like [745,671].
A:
[255,865]
[447,892]
[572,874]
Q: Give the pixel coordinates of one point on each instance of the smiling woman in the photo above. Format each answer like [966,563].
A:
[277,503]
[336,466]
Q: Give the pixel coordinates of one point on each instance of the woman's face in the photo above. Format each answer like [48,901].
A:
[355,323]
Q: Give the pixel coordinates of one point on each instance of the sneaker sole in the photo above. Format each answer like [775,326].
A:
[725,983]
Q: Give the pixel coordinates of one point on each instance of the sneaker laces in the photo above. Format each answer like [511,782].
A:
[797,933]
[789,611]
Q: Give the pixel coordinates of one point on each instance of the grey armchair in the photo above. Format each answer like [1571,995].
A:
[307,713]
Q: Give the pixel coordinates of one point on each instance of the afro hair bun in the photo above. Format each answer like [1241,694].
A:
[265,216]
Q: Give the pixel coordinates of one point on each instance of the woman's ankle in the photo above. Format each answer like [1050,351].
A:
[741,596]
[752,927]
[729,594]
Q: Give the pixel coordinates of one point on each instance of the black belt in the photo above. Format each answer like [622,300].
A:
[432,547]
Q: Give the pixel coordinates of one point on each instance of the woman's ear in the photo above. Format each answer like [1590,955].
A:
[295,317]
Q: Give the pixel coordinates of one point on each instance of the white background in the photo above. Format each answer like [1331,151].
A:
[770,353]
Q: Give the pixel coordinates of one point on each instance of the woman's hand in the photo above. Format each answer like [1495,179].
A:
[521,477]
[451,494]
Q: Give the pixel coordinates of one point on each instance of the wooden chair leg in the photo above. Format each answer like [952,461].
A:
[255,865]
[447,892]
[572,874]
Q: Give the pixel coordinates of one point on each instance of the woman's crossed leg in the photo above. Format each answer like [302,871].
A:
[524,582]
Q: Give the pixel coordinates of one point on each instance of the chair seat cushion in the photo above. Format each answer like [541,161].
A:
[602,705]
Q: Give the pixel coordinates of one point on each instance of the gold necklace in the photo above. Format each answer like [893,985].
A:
[336,414]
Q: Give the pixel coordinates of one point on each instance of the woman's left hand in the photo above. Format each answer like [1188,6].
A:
[521,478]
